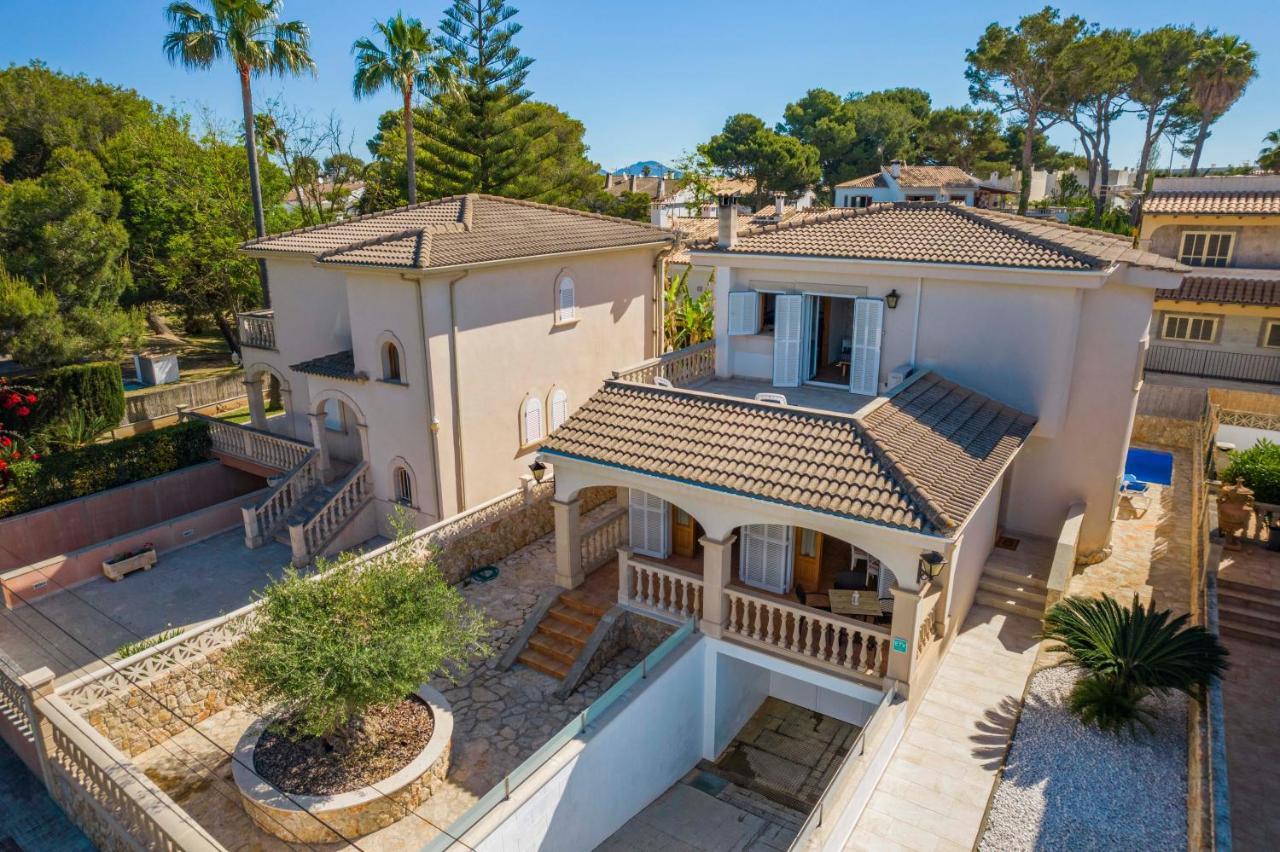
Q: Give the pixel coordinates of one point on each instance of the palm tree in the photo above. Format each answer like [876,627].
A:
[250,34]
[1221,67]
[1126,655]
[1269,157]
[407,60]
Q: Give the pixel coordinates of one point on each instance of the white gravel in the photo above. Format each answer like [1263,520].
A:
[1068,787]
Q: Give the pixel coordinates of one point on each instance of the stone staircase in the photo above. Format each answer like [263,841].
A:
[1249,612]
[305,509]
[1016,580]
[563,633]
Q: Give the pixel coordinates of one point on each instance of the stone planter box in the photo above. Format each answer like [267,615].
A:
[116,568]
[357,812]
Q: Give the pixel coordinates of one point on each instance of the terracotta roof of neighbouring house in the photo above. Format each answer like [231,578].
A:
[920,461]
[696,230]
[646,185]
[336,365]
[926,232]
[916,177]
[458,231]
[1229,202]
[1225,291]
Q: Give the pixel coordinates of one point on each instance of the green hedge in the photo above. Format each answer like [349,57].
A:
[97,467]
[1259,467]
[96,389]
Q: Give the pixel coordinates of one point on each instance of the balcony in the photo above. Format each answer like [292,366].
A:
[1214,364]
[258,329]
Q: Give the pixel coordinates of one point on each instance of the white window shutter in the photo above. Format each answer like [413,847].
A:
[648,523]
[788,332]
[765,560]
[559,409]
[532,420]
[744,312]
[868,328]
[751,559]
[885,581]
[565,300]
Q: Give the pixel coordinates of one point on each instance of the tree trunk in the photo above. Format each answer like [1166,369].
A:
[1201,135]
[228,333]
[255,185]
[159,326]
[411,154]
[1140,180]
[1028,138]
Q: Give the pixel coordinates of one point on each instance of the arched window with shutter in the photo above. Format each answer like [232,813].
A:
[566,304]
[404,486]
[531,422]
[559,404]
[391,362]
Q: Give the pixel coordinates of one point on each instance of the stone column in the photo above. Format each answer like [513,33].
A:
[38,685]
[568,543]
[362,429]
[286,402]
[717,571]
[905,626]
[257,409]
[317,439]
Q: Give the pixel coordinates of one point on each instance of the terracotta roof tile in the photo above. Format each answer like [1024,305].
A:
[920,461]
[1231,202]
[1225,291]
[913,177]
[336,365]
[458,231]
[695,230]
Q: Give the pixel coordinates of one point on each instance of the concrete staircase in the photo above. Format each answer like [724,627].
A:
[1249,612]
[563,633]
[1016,580]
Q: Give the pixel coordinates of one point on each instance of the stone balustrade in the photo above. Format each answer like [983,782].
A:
[830,641]
[682,368]
[600,542]
[309,538]
[658,588]
[262,521]
[257,329]
[255,445]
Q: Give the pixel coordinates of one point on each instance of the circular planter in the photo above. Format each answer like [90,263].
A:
[356,812]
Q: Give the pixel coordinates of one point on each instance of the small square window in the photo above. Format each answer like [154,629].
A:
[1205,248]
[1271,337]
[1190,328]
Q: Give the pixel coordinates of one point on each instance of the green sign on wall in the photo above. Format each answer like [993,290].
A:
[899,644]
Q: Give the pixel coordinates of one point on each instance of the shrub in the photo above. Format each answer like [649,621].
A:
[1126,655]
[97,467]
[1259,467]
[360,634]
[95,391]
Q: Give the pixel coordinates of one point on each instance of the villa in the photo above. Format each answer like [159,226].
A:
[901,182]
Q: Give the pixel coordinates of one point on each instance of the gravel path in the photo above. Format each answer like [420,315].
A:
[1068,787]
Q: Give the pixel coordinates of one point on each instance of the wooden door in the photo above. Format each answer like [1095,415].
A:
[808,559]
[683,534]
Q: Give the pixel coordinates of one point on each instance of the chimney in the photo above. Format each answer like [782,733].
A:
[779,205]
[895,169]
[728,216]
[662,186]
[631,183]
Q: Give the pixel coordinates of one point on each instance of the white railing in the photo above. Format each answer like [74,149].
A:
[310,537]
[135,812]
[255,445]
[831,641]
[601,540]
[262,521]
[258,329]
[15,707]
[658,588]
[682,367]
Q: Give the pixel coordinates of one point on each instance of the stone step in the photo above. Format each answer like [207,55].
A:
[1017,576]
[575,617]
[585,603]
[1250,633]
[1247,590]
[1014,591]
[1230,612]
[566,631]
[1248,601]
[1009,605]
[542,663]
[556,649]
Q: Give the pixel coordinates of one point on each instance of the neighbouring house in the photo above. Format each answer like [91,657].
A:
[348,200]
[669,211]
[901,182]
[428,350]
[1223,322]
[889,389]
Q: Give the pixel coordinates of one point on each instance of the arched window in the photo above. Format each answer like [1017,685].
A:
[531,422]
[404,486]
[390,362]
[565,304]
[559,408]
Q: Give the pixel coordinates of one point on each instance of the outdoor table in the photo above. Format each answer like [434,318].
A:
[842,602]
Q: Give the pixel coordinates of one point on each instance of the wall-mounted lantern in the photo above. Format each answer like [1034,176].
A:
[891,299]
[539,470]
[931,566]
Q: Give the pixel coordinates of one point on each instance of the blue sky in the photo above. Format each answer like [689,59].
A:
[648,90]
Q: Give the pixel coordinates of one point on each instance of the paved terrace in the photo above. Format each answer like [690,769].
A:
[805,396]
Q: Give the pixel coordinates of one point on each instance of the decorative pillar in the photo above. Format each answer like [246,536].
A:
[38,685]
[286,402]
[257,409]
[624,574]
[902,633]
[317,440]
[717,571]
[362,429]
[568,543]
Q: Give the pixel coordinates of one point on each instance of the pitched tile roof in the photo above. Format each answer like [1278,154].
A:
[1228,202]
[920,461]
[336,365]
[696,230]
[457,231]
[1225,291]
[915,176]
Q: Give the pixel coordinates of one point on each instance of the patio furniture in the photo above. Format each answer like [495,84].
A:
[851,580]
[855,603]
[817,600]
[886,611]
[775,398]
[1135,493]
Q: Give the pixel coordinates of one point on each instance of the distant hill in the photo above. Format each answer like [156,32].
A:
[655,169]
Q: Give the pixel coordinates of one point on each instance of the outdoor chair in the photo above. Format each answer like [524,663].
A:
[1135,493]
[855,580]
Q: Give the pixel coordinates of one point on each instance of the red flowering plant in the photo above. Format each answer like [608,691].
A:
[15,404]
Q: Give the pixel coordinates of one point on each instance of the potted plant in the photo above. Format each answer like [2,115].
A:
[144,558]
[344,657]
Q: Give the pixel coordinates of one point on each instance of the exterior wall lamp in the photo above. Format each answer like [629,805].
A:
[538,469]
[891,299]
[931,566]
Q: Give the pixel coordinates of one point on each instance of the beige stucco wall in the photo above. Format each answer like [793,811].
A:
[1257,241]
[1240,327]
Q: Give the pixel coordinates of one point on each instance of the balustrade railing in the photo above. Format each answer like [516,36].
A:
[682,367]
[15,707]
[658,588]
[262,521]
[258,329]
[829,640]
[255,445]
[600,541]
[308,538]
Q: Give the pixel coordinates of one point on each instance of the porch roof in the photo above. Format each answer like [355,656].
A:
[920,459]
